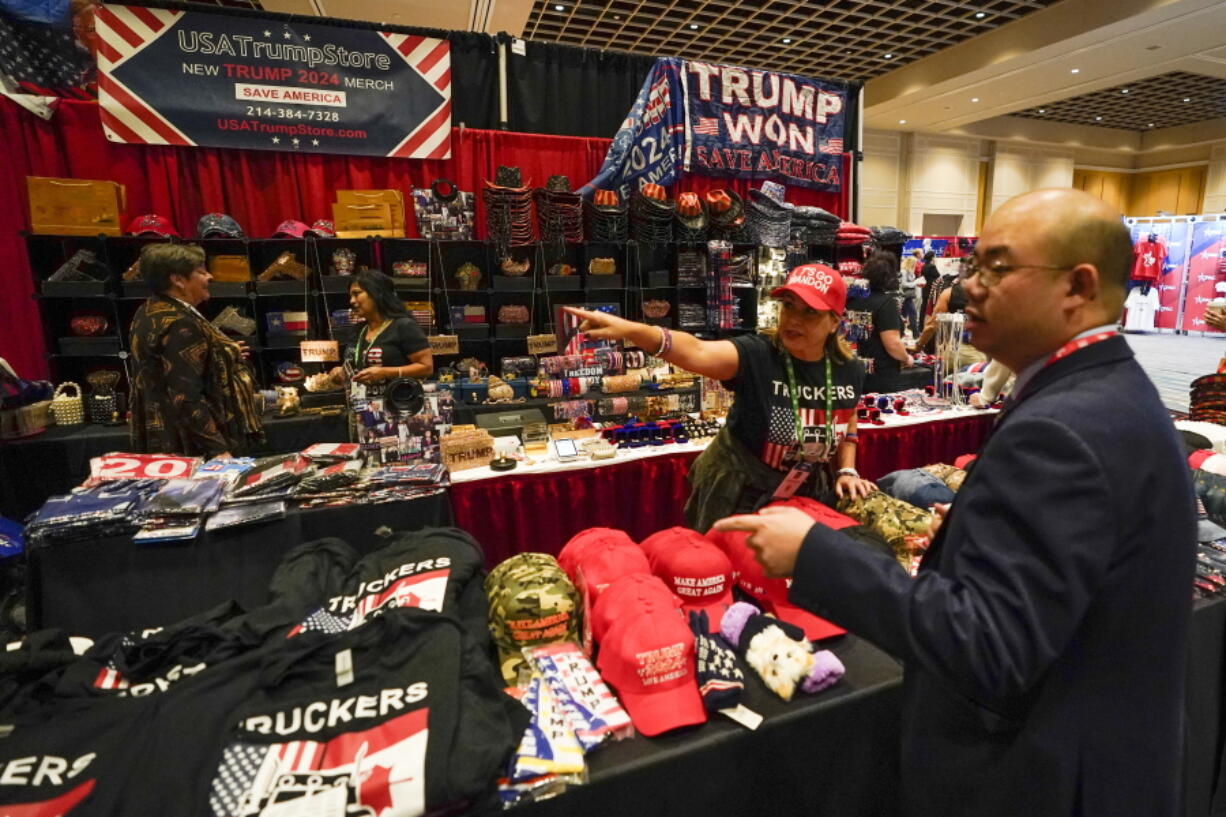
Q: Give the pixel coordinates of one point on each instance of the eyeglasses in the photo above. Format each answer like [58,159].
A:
[990,276]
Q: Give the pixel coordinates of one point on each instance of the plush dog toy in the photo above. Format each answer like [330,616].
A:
[778,651]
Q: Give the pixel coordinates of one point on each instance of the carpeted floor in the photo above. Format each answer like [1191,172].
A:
[1174,361]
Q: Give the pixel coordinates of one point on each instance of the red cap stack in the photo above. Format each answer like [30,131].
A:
[572,551]
[604,563]
[627,598]
[695,569]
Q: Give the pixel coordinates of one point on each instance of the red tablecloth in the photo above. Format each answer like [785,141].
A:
[540,512]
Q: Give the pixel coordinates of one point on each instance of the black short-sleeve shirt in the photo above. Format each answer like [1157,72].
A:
[868,318]
[393,346]
[761,416]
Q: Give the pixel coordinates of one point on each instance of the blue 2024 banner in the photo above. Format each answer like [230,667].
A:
[172,77]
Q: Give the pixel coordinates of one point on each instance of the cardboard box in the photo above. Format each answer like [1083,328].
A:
[394,199]
[361,220]
[75,206]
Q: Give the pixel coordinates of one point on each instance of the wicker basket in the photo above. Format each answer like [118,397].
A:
[25,421]
[467,448]
[69,410]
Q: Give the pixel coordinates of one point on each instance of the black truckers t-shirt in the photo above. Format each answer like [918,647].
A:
[762,416]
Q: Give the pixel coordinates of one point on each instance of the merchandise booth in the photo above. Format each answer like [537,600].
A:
[512,537]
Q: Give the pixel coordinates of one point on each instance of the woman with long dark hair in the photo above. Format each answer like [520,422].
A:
[391,344]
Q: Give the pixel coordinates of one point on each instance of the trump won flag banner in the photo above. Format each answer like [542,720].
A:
[172,77]
[763,125]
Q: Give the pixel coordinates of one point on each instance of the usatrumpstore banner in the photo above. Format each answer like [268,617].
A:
[172,77]
[723,120]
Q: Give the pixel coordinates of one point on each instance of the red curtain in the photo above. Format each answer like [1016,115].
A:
[259,188]
[883,450]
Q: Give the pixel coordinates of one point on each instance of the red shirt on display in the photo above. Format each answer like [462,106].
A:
[1149,256]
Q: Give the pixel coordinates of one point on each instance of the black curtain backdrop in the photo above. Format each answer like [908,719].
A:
[568,91]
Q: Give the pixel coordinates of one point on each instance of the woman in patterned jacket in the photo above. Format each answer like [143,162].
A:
[192,393]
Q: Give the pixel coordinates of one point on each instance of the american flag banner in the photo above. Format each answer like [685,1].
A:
[832,146]
[781,432]
[44,60]
[707,126]
[174,77]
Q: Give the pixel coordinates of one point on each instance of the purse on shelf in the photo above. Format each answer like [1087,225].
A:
[287,267]
[513,313]
[230,268]
[68,409]
[602,266]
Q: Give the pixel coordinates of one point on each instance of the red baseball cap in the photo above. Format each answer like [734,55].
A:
[606,562]
[291,228]
[627,597]
[818,286]
[152,224]
[773,593]
[572,551]
[673,537]
[699,573]
[649,660]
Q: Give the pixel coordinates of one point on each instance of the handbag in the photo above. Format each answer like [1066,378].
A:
[68,409]
[230,268]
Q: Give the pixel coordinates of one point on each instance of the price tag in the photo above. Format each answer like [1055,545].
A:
[519,47]
[744,716]
[319,351]
[142,466]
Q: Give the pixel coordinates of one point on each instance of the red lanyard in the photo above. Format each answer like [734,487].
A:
[1077,344]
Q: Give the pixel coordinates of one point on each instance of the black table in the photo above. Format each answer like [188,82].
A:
[58,460]
[108,585]
[835,753]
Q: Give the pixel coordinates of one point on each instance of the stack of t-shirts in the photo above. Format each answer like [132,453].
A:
[271,477]
[852,234]
[178,508]
[813,225]
[107,509]
[398,711]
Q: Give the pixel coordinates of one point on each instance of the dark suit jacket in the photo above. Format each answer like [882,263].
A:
[1044,638]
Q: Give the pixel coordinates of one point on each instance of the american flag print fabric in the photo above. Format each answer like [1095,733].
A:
[781,432]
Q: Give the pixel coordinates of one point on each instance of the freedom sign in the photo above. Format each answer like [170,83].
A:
[763,124]
[170,77]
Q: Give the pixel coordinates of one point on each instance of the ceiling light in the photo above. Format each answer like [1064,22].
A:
[1042,110]
[979,15]
[902,121]
[1151,124]
[974,99]
[889,56]
[1075,71]
[559,7]
[617,16]
[1187,99]
[693,26]
[1098,119]
[787,40]
[1124,91]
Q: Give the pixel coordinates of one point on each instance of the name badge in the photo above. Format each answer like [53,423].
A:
[793,481]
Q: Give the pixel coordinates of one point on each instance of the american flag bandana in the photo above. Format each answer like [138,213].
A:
[781,432]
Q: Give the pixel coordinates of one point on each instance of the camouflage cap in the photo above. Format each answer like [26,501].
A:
[531,602]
